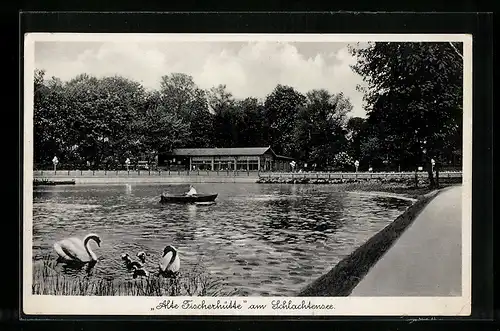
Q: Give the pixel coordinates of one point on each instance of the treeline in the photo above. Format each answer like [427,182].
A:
[413,98]
[106,120]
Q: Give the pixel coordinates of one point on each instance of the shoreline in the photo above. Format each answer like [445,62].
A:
[391,185]
[346,274]
[398,189]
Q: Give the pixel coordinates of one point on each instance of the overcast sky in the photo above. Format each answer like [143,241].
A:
[249,69]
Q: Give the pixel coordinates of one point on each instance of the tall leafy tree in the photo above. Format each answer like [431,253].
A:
[226,117]
[52,130]
[414,99]
[282,106]
[181,96]
[159,129]
[319,129]
[251,124]
[103,113]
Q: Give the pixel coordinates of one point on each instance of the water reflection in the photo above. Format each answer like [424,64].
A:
[128,188]
[263,239]
[191,211]
[302,215]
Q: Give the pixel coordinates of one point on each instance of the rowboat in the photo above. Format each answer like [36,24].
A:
[188,198]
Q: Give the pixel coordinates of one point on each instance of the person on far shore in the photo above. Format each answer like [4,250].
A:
[192,191]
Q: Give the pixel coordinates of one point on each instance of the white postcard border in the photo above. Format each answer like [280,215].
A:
[348,306]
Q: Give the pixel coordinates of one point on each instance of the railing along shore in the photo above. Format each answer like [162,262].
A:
[353,175]
[260,174]
[140,173]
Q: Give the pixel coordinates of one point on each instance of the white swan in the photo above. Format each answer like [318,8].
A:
[170,262]
[77,250]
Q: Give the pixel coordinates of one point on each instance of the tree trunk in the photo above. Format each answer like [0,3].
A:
[432,183]
[436,166]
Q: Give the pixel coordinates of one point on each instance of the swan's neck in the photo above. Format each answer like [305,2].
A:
[174,255]
[88,249]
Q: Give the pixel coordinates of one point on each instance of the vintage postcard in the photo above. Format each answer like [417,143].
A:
[252,174]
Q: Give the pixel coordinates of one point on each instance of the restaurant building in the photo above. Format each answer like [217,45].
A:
[225,159]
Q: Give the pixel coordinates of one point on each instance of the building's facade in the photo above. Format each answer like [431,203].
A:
[226,159]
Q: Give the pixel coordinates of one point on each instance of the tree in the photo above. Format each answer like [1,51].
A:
[250,122]
[180,95]
[178,91]
[356,130]
[159,129]
[52,120]
[226,117]
[414,99]
[319,133]
[103,114]
[282,106]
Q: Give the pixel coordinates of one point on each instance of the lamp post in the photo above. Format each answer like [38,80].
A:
[55,161]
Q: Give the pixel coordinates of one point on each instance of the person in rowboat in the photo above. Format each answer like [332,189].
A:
[192,191]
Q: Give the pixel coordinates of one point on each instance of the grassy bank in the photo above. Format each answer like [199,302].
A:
[410,191]
[194,282]
[342,279]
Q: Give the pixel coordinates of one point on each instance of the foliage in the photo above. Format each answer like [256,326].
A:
[180,96]
[413,96]
[319,132]
[282,107]
[343,161]
[226,116]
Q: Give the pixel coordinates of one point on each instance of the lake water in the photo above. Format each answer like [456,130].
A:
[257,239]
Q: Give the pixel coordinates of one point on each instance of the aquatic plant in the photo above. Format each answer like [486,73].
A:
[192,282]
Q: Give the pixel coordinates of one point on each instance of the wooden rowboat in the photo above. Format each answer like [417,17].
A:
[188,199]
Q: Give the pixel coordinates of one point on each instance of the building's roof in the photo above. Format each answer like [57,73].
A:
[284,157]
[221,151]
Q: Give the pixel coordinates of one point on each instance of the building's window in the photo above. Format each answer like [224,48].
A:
[253,165]
[223,165]
[223,159]
[241,165]
[202,158]
[246,157]
[201,165]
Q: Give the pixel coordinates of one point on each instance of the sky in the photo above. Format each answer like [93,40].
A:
[248,69]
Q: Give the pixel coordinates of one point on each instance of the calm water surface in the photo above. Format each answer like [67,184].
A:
[257,239]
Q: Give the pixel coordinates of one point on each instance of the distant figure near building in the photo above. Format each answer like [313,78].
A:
[192,191]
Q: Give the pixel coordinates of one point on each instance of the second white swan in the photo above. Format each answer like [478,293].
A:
[170,262]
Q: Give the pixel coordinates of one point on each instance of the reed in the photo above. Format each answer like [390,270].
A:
[194,282]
